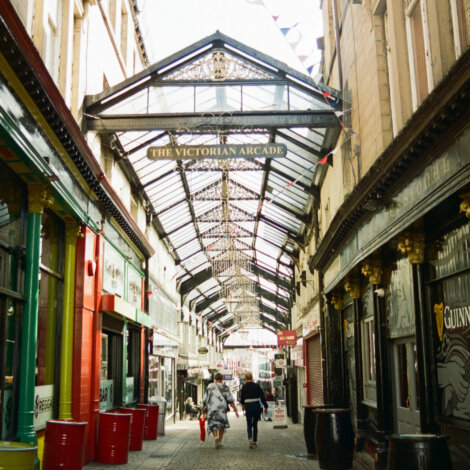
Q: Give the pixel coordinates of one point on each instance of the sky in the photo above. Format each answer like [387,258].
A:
[284,29]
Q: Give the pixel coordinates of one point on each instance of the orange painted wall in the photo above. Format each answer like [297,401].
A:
[87,330]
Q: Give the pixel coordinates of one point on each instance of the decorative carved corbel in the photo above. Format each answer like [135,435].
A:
[337,300]
[465,204]
[39,197]
[372,270]
[353,286]
[412,245]
[72,232]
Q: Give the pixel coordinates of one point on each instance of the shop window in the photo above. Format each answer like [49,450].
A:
[133,365]
[50,298]
[111,386]
[368,355]
[449,295]
[153,376]
[12,224]
[167,381]
[418,50]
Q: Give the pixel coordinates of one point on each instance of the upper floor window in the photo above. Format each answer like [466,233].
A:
[461,25]
[418,49]
[52,27]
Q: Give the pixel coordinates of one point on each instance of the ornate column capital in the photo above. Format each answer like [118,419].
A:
[413,245]
[9,196]
[337,300]
[372,270]
[465,204]
[72,232]
[39,197]
[353,286]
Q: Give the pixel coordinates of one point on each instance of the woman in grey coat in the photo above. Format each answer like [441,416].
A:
[216,403]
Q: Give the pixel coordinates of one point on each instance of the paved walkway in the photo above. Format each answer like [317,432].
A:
[181,449]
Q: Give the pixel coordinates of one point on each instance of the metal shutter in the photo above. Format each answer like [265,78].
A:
[314,370]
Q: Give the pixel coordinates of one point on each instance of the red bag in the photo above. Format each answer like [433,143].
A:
[202,427]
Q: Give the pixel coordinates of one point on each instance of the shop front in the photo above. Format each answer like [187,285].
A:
[398,298]
[123,324]
[162,371]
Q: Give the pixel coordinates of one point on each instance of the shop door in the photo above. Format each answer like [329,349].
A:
[405,369]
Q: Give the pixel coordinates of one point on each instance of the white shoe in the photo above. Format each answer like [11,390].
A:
[252,444]
[216,443]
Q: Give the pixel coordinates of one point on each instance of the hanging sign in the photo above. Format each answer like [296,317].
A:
[199,152]
[287,338]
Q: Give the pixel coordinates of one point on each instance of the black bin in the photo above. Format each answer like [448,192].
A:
[309,427]
[334,438]
[418,452]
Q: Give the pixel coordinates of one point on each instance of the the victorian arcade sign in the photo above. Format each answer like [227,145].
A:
[198,152]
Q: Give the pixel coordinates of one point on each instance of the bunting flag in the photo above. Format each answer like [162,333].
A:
[297,27]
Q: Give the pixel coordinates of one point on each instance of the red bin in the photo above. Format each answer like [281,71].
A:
[64,445]
[137,427]
[113,438]
[151,421]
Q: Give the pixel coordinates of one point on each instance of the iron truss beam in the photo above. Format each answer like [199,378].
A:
[233,120]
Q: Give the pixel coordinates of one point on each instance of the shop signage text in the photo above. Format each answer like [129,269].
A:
[451,318]
[43,405]
[287,338]
[198,152]
[106,395]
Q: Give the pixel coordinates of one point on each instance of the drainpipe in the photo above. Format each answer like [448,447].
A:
[337,44]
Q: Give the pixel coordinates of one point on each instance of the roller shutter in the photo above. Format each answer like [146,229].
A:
[314,370]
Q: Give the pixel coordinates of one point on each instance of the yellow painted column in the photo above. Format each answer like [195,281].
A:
[72,231]
[51,320]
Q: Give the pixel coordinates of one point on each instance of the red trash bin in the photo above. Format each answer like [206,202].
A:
[113,438]
[64,445]
[151,421]
[137,427]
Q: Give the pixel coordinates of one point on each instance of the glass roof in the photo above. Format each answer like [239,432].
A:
[234,225]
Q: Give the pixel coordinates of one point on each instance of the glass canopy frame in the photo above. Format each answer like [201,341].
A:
[233,225]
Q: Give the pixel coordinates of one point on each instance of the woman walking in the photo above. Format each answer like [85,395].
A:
[216,403]
[250,398]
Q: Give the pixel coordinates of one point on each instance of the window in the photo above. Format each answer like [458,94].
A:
[418,50]
[53,15]
[390,72]
[124,35]
[461,25]
[368,355]
[12,224]
[50,297]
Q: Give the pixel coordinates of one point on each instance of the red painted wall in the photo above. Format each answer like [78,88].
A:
[87,334]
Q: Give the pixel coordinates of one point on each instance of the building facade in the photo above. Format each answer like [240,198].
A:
[391,252]
[99,327]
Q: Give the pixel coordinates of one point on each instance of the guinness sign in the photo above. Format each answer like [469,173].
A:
[199,152]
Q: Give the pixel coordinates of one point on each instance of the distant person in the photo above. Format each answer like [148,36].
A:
[250,398]
[269,396]
[191,409]
[216,403]
[276,396]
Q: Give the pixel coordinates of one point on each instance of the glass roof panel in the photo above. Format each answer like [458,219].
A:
[222,215]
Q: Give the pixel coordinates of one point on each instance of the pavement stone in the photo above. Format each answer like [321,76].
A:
[181,449]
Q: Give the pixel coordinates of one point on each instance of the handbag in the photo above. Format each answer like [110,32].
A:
[202,428]
[226,402]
